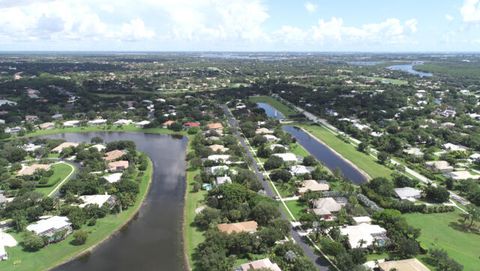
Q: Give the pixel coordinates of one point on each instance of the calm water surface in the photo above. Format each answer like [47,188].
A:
[153,239]
[323,154]
[409,68]
[271,111]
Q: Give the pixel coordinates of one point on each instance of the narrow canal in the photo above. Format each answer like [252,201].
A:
[153,239]
[319,150]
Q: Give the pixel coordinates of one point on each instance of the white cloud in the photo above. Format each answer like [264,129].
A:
[449,17]
[310,7]
[389,31]
[470,11]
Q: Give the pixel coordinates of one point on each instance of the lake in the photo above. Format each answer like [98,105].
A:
[325,155]
[271,111]
[409,68]
[153,240]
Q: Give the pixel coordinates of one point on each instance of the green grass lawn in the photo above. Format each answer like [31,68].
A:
[60,171]
[392,81]
[296,207]
[438,231]
[364,161]
[297,149]
[284,109]
[193,237]
[86,129]
[55,254]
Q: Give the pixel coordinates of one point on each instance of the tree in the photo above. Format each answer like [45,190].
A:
[96,140]
[259,140]
[273,162]
[310,161]
[383,157]
[280,175]
[407,248]
[436,194]
[381,186]
[80,237]
[33,242]
[207,217]
[264,212]
[362,147]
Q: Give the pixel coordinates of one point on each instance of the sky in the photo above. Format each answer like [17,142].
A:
[240,25]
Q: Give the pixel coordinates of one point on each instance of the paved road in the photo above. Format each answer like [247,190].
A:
[320,262]
[373,152]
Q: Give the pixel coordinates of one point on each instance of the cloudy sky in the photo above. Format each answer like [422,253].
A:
[240,25]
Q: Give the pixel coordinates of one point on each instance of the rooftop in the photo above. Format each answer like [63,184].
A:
[247,226]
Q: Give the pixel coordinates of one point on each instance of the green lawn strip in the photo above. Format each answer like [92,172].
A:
[364,161]
[297,149]
[376,256]
[86,129]
[60,172]
[55,254]
[252,257]
[296,207]
[193,237]
[283,108]
[438,232]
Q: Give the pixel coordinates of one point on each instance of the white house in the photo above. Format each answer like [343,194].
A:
[218,170]
[142,123]
[97,122]
[440,166]
[298,170]
[364,235]
[6,240]
[454,147]
[49,227]
[114,177]
[99,200]
[219,158]
[408,193]
[271,138]
[287,157]
[223,179]
[123,122]
[71,123]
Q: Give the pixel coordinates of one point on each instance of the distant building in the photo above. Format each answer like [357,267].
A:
[117,166]
[217,148]
[314,186]
[113,178]
[30,170]
[100,200]
[71,123]
[222,180]
[97,122]
[219,158]
[288,157]
[47,125]
[114,155]
[326,207]
[439,166]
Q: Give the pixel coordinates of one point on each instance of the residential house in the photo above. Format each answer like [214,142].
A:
[271,138]
[30,170]
[314,186]
[364,235]
[439,166]
[122,122]
[218,148]
[362,220]
[454,147]
[97,122]
[114,177]
[403,265]
[30,147]
[191,124]
[263,264]
[414,152]
[47,125]
[64,145]
[99,147]
[287,157]
[263,131]
[57,117]
[222,180]
[408,193]
[219,158]
[117,166]
[168,123]
[280,146]
[6,240]
[219,170]
[31,118]
[71,123]
[216,126]
[299,170]
[462,175]
[100,200]
[326,207]
[51,228]
[114,155]
[247,226]
[142,124]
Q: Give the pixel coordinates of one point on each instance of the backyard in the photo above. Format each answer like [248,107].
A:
[442,230]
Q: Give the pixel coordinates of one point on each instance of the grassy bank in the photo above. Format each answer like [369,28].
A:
[364,161]
[442,231]
[103,128]
[284,109]
[55,254]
